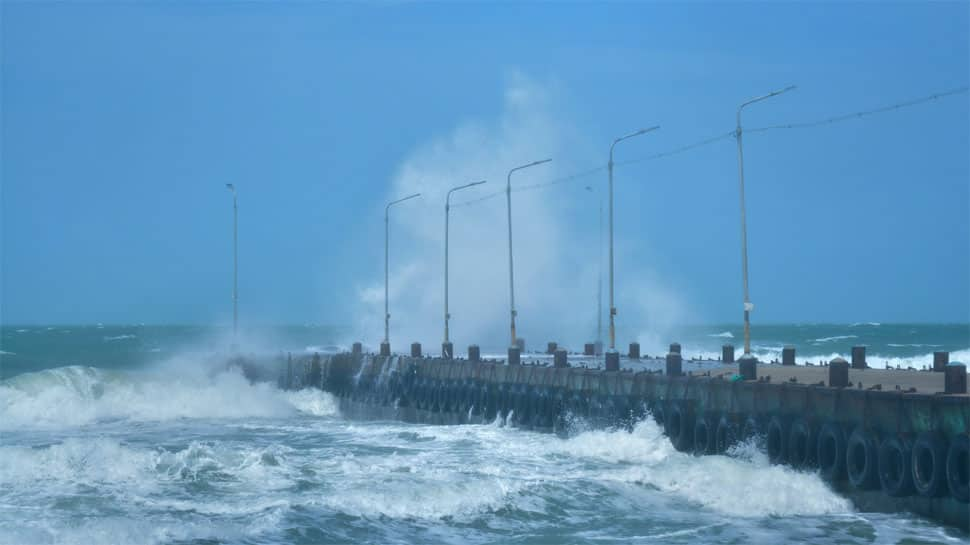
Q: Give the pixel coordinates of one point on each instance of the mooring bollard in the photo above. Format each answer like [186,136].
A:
[551,347]
[675,348]
[474,353]
[357,349]
[386,349]
[415,350]
[839,373]
[612,360]
[559,358]
[858,357]
[673,368]
[788,355]
[955,379]
[447,350]
[634,351]
[940,359]
[748,367]
[727,353]
[515,355]
[589,349]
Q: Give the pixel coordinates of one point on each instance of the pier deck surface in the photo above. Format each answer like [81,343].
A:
[925,382]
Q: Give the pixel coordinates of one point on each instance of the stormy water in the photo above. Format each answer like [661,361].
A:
[140,434]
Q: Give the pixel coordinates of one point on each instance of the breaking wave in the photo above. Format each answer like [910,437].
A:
[78,395]
[835,338]
[875,360]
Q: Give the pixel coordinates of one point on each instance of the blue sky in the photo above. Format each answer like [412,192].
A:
[122,123]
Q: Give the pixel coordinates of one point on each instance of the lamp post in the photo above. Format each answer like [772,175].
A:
[235,265]
[386,345]
[748,307]
[508,199]
[612,357]
[599,283]
[447,350]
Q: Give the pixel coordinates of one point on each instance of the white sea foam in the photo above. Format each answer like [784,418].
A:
[313,402]
[875,360]
[111,338]
[5,353]
[835,338]
[723,335]
[75,395]
[739,487]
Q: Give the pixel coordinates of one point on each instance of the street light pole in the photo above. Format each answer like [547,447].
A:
[612,350]
[748,307]
[599,283]
[386,345]
[235,264]
[508,199]
[446,344]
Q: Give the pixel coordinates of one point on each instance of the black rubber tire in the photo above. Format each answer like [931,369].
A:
[776,440]
[725,435]
[929,465]
[752,428]
[895,466]
[802,444]
[657,411]
[704,436]
[958,468]
[679,426]
[862,459]
[830,451]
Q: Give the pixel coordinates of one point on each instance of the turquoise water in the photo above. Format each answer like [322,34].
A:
[139,434]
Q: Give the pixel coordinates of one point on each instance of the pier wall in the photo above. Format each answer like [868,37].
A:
[886,445]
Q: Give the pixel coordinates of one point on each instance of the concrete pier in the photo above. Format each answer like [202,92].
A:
[843,421]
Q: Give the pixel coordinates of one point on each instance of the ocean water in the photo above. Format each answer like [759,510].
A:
[140,435]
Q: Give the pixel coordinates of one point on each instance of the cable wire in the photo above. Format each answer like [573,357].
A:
[864,113]
[718,138]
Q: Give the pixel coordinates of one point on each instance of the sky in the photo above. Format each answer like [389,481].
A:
[122,123]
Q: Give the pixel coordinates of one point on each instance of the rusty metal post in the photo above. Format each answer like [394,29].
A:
[634,351]
[551,347]
[940,359]
[474,353]
[415,350]
[589,349]
[357,349]
[727,353]
[447,350]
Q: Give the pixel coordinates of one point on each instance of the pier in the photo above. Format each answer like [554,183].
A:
[889,439]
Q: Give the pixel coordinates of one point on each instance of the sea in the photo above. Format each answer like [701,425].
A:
[140,434]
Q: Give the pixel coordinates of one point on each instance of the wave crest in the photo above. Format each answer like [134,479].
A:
[78,395]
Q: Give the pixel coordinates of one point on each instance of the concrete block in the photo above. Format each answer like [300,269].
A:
[839,373]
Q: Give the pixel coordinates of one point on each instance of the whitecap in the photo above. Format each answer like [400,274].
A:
[723,334]
[835,338]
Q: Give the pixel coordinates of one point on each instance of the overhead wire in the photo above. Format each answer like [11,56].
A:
[723,136]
